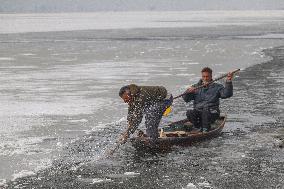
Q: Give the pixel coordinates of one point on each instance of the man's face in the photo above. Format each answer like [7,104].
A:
[206,77]
[126,97]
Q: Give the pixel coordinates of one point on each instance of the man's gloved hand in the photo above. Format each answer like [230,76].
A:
[191,90]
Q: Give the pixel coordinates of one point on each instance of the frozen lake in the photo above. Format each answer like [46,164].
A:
[60,76]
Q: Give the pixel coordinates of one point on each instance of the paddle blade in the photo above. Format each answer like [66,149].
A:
[167,111]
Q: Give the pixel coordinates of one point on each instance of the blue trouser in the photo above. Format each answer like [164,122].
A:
[153,116]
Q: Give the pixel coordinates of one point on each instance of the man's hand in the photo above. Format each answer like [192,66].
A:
[191,90]
[230,76]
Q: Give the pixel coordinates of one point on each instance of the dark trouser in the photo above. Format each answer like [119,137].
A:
[202,118]
[154,113]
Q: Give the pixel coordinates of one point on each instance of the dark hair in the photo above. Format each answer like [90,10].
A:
[207,69]
[123,90]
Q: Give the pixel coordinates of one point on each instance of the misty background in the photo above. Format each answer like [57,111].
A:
[22,6]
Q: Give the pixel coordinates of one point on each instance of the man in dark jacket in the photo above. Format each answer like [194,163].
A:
[148,100]
[207,99]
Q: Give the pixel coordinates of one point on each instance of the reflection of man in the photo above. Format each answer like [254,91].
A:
[206,100]
[148,100]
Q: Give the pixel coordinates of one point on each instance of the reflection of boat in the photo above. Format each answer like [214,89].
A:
[180,133]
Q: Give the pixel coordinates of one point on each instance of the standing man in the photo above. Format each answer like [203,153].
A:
[206,100]
[144,100]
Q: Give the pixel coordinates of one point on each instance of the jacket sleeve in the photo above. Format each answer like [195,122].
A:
[188,97]
[191,96]
[227,91]
[134,117]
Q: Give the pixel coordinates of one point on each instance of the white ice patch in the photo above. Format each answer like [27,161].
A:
[101,126]
[142,74]
[7,58]
[98,180]
[184,74]
[256,53]
[27,146]
[190,186]
[68,106]
[121,120]
[204,184]
[190,63]
[219,64]
[41,164]
[94,180]
[22,173]
[27,54]
[124,175]
[131,173]
[164,74]
[19,67]
[3,183]
[266,36]
[68,60]
[78,121]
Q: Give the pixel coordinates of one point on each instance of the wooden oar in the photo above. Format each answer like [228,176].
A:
[201,86]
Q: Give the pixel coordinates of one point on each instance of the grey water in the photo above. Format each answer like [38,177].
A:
[60,109]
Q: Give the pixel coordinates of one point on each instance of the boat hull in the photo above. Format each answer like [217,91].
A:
[166,143]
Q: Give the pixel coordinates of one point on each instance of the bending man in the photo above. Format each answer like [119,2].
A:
[144,100]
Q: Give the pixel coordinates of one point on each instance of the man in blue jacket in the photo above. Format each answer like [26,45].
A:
[206,100]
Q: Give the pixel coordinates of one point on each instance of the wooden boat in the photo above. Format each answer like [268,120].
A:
[180,133]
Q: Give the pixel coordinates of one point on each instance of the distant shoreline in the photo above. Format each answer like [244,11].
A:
[121,11]
[76,21]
